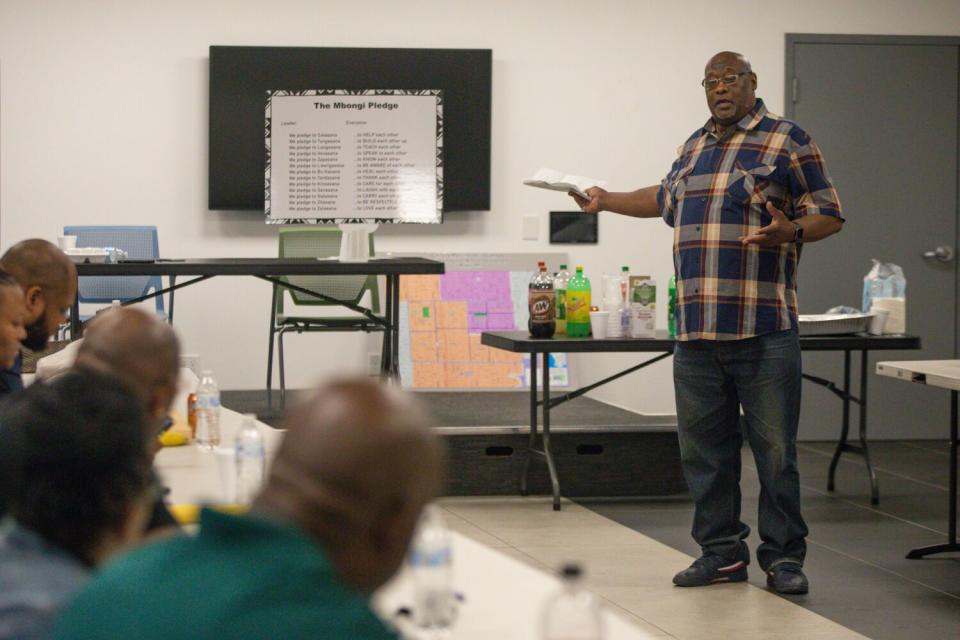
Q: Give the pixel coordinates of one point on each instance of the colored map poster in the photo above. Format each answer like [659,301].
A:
[442,317]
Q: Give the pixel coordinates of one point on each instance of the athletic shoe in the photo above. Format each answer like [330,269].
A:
[787,578]
[712,569]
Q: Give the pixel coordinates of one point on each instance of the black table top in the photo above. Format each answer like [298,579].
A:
[264,267]
[521,342]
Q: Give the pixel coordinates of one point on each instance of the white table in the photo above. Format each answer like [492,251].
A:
[502,596]
[946,375]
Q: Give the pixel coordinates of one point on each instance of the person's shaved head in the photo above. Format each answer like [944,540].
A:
[49,282]
[356,467]
[137,347]
[731,86]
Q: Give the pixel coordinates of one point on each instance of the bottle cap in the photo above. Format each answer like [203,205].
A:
[571,570]
[624,268]
[579,267]
[563,267]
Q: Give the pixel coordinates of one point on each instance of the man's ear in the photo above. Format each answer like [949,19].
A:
[34,301]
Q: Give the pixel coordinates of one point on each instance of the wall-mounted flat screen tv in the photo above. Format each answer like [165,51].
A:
[241,77]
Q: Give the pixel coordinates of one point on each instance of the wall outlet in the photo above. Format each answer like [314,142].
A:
[531,228]
[373,364]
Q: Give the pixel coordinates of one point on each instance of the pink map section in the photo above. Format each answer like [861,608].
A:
[446,316]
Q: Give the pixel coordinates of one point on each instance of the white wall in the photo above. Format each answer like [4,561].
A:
[103,119]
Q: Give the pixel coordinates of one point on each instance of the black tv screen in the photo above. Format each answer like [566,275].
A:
[240,78]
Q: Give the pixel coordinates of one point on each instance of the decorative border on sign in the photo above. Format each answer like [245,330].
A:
[267,129]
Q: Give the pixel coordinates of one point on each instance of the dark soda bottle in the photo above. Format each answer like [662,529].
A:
[542,302]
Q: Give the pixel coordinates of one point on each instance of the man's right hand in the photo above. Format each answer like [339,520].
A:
[593,204]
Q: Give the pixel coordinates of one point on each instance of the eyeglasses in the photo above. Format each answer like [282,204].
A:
[731,78]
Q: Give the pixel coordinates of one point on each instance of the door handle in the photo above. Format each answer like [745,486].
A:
[943,253]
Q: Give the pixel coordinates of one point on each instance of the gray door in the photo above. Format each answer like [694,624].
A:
[885,115]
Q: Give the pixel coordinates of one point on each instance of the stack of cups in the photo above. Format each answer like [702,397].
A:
[612,301]
[614,323]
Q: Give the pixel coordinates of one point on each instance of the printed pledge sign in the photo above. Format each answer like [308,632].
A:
[354,156]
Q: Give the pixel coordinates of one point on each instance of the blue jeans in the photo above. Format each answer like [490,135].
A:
[713,380]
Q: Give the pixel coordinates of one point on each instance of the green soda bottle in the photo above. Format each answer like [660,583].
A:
[560,286]
[578,305]
[672,306]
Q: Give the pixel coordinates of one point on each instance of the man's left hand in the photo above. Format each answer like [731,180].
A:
[779,231]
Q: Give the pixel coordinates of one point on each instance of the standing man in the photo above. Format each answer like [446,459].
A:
[747,190]
[49,282]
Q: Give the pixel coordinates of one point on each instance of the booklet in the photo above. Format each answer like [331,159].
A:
[559,181]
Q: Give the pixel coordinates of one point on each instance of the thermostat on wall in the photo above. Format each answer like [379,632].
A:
[573,227]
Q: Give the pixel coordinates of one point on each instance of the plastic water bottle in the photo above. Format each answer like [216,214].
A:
[624,310]
[250,459]
[560,286]
[573,613]
[430,562]
[208,412]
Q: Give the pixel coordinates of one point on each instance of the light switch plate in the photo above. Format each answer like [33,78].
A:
[531,228]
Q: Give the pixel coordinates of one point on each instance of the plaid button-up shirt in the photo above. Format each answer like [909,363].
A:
[715,193]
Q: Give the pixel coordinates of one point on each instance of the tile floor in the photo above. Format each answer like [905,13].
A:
[631,572]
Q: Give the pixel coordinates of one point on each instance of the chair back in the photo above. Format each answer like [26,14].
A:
[323,242]
[140,243]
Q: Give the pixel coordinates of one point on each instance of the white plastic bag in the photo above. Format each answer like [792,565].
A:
[885,287]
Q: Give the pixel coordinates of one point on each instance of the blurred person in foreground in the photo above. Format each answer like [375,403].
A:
[78,484]
[331,525]
[141,349]
[49,282]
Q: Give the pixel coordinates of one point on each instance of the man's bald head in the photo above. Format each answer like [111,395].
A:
[36,262]
[355,468]
[49,282]
[723,59]
[730,85]
[137,347]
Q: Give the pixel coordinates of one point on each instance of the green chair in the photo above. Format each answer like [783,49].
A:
[316,242]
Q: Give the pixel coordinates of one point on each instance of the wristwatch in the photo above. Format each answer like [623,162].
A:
[797,232]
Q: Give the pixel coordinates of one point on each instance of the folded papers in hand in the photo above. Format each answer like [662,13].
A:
[559,181]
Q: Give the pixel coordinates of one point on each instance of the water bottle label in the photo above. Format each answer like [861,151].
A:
[208,402]
[431,558]
[250,451]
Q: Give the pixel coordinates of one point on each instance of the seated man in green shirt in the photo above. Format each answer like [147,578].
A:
[331,525]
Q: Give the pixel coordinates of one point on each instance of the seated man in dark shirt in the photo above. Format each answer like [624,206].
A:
[49,282]
[12,313]
[332,525]
[78,484]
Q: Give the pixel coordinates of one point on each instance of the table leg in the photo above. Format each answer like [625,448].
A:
[395,328]
[547,452]
[952,526]
[841,445]
[874,486]
[532,443]
[75,326]
[392,317]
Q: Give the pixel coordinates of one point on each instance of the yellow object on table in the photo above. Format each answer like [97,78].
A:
[178,434]
[190,513]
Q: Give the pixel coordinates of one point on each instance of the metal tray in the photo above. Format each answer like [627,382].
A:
[825,324]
